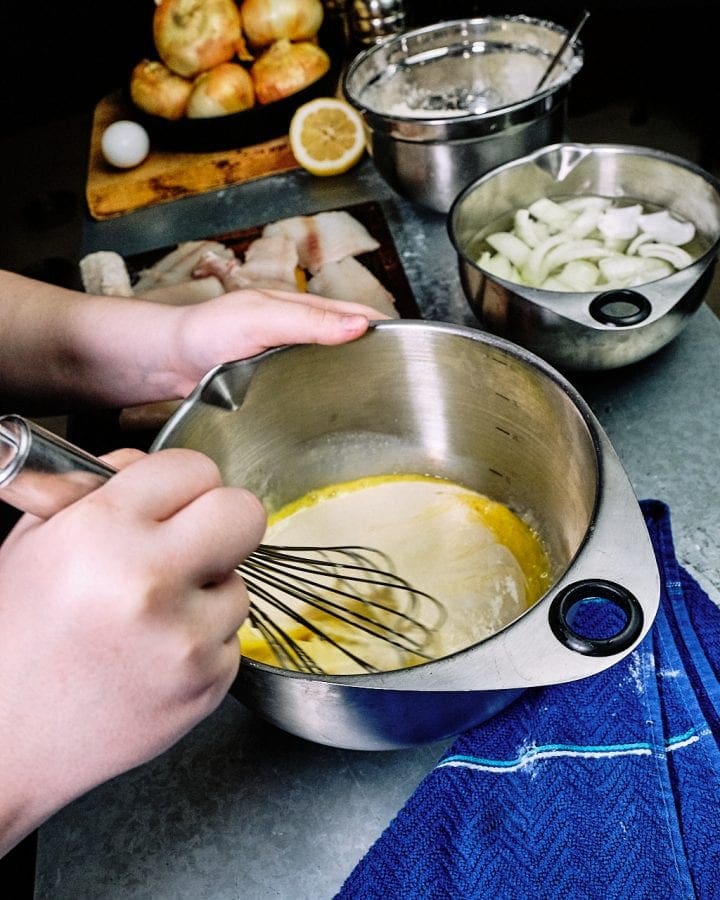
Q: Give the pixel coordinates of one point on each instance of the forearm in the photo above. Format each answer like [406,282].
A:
[61,345]
[65,346]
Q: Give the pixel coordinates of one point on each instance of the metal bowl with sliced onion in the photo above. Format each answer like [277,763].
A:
[594,256]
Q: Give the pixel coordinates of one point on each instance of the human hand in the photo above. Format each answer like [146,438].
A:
[244,323]
[118,628]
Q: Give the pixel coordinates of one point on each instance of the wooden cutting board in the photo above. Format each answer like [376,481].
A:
[170,175]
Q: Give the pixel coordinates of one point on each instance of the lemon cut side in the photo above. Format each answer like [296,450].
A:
[327,136]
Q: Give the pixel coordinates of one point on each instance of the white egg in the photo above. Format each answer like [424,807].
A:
[125,144]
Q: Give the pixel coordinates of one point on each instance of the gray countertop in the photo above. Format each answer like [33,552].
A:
[240,809]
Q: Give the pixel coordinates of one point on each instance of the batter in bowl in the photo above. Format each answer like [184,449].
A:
[481,561]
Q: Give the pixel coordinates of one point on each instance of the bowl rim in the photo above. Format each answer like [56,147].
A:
[491,121]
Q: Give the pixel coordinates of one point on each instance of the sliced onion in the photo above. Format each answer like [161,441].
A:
[536,253]
[636,242]
[666,229]
[619,269]
[510,246]
[579,275]
[499,266]
[586,222]
[676,256]
[556,217]
[653,271]
[528,230]
[620,222]
[534,270]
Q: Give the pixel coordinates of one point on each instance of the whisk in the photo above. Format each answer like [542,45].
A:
[325,592]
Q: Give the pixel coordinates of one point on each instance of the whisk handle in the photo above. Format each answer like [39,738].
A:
[42,473]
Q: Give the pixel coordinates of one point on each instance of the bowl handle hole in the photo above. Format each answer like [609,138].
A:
[596,617]
[621,308]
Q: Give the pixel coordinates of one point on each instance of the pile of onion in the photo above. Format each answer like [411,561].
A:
[588,243]
[218,57]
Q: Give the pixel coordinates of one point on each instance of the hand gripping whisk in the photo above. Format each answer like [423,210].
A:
[327,592]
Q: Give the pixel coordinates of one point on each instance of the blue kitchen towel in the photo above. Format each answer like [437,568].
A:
[606,788]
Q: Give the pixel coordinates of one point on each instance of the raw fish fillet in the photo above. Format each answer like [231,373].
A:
[105,273]
[349,279]
[272,258]
[324,238]
[258,274]
[178,265]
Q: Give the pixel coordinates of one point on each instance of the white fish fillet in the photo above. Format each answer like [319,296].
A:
[325,237]
[349,279]
[105,273]
[178,265]
[272,258]
[235,275]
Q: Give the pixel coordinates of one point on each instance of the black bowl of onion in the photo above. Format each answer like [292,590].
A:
[593,256]
[205,94]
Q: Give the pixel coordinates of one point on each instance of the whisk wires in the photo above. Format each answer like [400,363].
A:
[344,596]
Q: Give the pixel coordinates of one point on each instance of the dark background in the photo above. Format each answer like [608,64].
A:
[60,59]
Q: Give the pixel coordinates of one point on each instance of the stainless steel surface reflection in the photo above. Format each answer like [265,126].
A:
[445,103]
[566,328]
[432,398]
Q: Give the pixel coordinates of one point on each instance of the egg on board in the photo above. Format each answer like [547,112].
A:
[125,144]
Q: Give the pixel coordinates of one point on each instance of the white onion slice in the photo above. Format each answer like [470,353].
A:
[676,256]
[587,243]
[579,275]
[528,230]
[620,222]
[510,246]
[534,270]
[500,266]
[556,217]
[619,269]
[636,242]
[571,249]
[666,229]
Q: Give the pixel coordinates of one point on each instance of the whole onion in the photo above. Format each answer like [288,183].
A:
[194,35]
[158,91]
[286,68]
[224,89]
[267,21]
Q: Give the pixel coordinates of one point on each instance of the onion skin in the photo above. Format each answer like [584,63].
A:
[286,68]
[192,36]
[267,21]
[221,91]
[158,91]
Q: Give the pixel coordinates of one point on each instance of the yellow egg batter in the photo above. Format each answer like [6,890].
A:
[481,561]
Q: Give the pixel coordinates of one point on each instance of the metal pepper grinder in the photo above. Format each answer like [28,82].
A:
[369,21]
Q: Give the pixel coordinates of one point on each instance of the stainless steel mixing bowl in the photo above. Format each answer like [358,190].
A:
[593,330]
[413,396]
[405,86]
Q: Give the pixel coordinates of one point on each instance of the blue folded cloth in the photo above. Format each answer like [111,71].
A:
[606,788]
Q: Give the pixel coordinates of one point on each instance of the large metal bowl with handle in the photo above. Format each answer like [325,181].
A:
[413,396]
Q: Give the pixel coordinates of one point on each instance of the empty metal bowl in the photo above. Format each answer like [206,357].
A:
[413,396]
[600,329]
[445,103]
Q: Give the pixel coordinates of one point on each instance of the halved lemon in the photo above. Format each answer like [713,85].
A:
[327,136]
